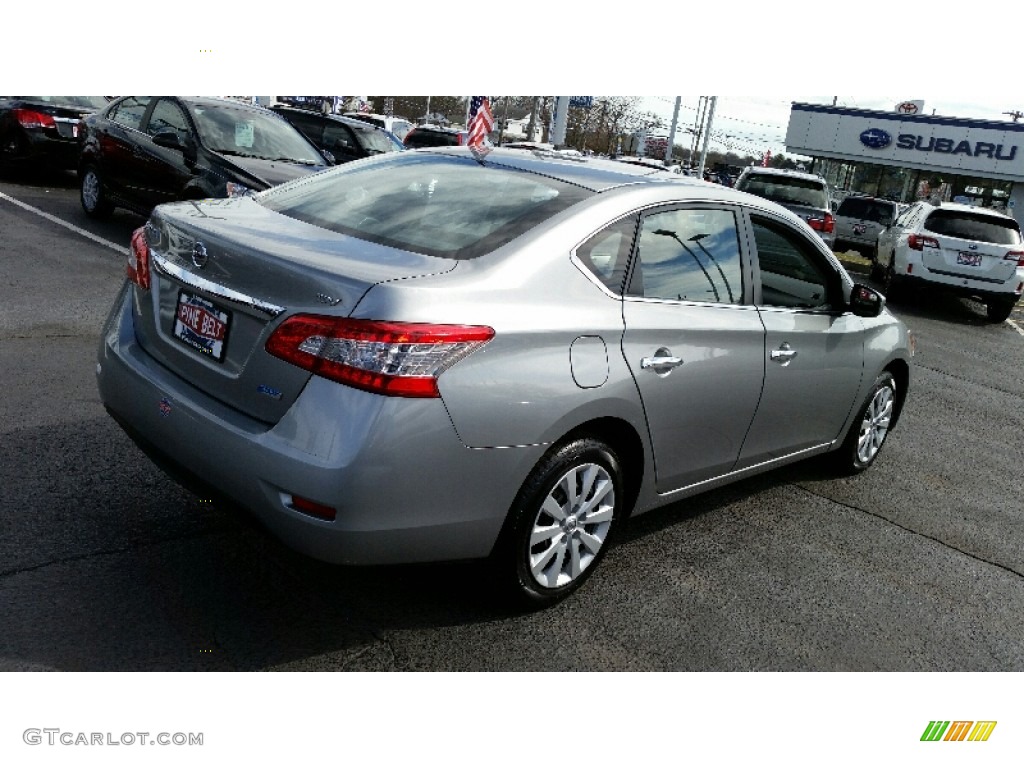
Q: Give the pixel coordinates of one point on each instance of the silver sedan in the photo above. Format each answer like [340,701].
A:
[436,355]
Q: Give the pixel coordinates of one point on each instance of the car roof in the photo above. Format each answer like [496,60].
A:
[349,121]
[759,170]
[975,209]
[595,174]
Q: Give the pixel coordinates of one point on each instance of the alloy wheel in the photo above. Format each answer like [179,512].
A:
[875,425]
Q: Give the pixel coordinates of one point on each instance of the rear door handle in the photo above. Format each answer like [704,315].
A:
[783,355]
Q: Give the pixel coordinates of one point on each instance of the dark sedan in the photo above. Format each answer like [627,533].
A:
[145,150]
[43,130]
[345,138]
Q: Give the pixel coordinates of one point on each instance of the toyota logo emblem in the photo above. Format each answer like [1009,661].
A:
[199,255]
[908,108]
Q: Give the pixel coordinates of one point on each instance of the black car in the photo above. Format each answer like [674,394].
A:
[43,130]
[145,150]
[435,136]
[345,138]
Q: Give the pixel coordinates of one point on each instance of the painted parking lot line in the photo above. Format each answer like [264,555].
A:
[65,224]
[1016,327]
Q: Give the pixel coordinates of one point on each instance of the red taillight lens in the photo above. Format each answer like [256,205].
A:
[920,242]
[1017,256]
[826,224]
[312,508]
[138,259]
[398,359]
[830,222]
[29,118]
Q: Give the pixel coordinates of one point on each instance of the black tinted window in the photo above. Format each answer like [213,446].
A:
[791,271]
[130,111]
[437,205]
[420,138]
[690,255]
[973,226]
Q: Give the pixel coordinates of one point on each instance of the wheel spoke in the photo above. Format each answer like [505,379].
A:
[600,515]
[591,542]
[575,568]
[569,486]
[543,533]
[539,563]
[553,508]
[603,487]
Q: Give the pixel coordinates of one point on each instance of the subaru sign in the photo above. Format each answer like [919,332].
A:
[875,138]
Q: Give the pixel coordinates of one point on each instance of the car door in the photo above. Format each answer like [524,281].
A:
[118,140]
[814,347]
[693,341]
[165,171]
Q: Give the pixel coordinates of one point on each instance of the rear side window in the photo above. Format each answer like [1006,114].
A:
[437,205]
[973,226]
[606,254]
[130,111]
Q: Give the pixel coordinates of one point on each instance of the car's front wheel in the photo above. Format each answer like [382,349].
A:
[870,428]
[999,309]
[94,194]
[561,521]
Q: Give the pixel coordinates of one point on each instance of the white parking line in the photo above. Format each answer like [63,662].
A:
[68,225]
[1016,327]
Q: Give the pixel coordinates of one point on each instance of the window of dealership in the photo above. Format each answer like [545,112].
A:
[913,157]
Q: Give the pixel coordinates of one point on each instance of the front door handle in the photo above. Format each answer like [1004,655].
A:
[783,355]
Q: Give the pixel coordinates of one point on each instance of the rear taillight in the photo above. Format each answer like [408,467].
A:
[1017,256]
[138,259]
[29,118]
[920,242]
[826,224]
[398,359]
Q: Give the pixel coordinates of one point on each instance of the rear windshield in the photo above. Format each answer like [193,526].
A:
[974,226]
[431,139]
[867,209]
[787,191]
[438,205]
[85,102]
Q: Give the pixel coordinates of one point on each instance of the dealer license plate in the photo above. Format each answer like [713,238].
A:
[201,325]
[970,259]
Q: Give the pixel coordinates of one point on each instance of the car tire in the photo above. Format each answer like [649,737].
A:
[890,280]
[93,194]
[13,149]
[559,525]
[868,431]
[877,272]
[999,310]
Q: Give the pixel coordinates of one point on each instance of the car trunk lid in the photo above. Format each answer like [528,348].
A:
[226,272]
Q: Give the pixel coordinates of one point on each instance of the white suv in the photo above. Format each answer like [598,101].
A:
[962,249]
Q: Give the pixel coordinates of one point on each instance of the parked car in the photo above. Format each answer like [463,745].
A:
[141,151]
[435,136]
[651,162]
[400,126]
[423,357]
[43,130]
[806,194]
[344,138]
[954,248]
[859,220]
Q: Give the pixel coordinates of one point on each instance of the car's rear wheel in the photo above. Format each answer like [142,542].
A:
[999,309]
[94,194]
[890,281]
[869,430]
[561,521]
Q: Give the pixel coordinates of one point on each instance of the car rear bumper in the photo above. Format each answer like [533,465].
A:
[910,269]
[404,487]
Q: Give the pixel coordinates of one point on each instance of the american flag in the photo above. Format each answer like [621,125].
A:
[481,121]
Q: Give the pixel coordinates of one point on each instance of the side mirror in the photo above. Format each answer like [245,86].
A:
[865,301]
[167,138]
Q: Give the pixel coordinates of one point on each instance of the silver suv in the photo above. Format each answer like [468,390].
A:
[959,248]
[806,194]
[859,221]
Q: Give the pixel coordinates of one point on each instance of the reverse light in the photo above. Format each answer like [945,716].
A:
[920,242]
[29,118]
[396,359]
[138,259]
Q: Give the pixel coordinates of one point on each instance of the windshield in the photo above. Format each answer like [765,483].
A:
[82,102]
[433,204]
[252,133]
[788,191]
[974,226]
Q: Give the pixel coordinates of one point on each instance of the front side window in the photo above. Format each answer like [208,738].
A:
[433,204]
[689,255]
[167,116]
[792,273]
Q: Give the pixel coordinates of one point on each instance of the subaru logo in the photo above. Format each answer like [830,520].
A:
[875,138]
[199,255]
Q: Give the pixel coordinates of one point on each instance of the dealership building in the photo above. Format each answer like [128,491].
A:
[906,156]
